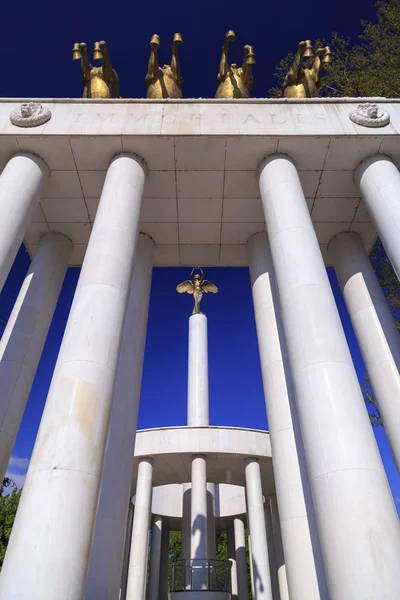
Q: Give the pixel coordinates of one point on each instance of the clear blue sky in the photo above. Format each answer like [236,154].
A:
[236,393]
[38,37]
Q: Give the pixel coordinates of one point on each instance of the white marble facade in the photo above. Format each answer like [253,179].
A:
[285,187]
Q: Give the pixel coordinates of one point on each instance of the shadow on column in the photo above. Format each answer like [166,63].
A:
[309,503]
[258,582]
[198,562]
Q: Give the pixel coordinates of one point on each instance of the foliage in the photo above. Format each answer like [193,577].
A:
[370,67]
[175,549]
[175,546]
[391,288]
[387,278]
[8,510]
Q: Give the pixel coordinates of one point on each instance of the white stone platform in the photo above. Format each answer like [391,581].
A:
[202,199]
[226,448]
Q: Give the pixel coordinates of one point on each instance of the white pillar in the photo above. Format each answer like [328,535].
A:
[198,541]
[273,570]
[198,372]
[305,569]
[230,541]
[211,539]
[279,555]
[255,515]
[155,558]
[186,520]
[21,184]
[127,550]
[163,588]
[379,182]
[137,571]
[108,546]
[357,520]
[374,327]
[49,550]
[252,584]
[240,554]
[24,337]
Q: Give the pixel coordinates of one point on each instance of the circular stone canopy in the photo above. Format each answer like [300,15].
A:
[226,450]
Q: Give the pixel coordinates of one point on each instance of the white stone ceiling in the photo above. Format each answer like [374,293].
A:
[202,199]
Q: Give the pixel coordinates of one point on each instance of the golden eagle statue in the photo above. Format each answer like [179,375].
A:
[197,286]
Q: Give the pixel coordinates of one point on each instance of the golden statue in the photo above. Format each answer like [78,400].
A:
[235,82]
[304,83]
[197,286]
[100,82]
[166,81]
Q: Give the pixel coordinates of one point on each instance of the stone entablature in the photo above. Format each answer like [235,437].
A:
[202,117]
[202,200]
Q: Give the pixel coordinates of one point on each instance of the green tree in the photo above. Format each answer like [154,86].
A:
[8,510]
[370,67]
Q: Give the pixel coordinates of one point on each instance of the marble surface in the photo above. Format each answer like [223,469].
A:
[202,200]
[226,449]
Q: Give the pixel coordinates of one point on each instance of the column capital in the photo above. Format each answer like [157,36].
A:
[339,237]
[132,156]
[249,460]
[268,159]
[57,236]
[146,235]
[38,160]
[146,459]
[368,162]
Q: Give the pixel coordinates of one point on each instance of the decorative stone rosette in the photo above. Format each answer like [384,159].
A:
[30,114]
[370,115]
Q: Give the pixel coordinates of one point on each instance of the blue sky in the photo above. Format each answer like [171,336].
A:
[38,39]
[236,393]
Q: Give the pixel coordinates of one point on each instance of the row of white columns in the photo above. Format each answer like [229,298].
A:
[355,512]
[323,446]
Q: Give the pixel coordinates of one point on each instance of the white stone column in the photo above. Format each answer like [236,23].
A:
[279,555]
[305,569]
[127,550]
[24,337]
[108,546]
[155,558]
[377,335]
[273,570]
[211,536]
[252,583]
[186,520]
[379,181]
[255,515]
[137,571]
[240,554]
[230,541]
[163,589]
[21,184]
[351,495]
[49,550]
[198,541]
[198,414]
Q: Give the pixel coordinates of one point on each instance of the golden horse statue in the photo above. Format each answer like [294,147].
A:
[235,82]
[100,82]
[197,286]
[166,81]
[304,83]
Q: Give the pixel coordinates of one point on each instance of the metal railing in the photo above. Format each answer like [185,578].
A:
[200,574]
